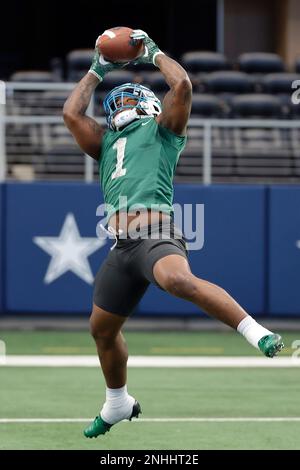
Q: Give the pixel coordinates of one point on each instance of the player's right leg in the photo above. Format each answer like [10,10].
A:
[116,293]
[112,350]
[113,356]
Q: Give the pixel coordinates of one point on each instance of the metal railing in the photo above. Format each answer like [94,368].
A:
[11,88]
[32,133]
[209,124]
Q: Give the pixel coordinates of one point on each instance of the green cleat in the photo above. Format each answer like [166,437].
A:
[98,426]
[270,345]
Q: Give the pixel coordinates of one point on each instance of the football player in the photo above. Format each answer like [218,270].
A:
[137,156]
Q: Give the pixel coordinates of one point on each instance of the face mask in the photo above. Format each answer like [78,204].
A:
[125,117]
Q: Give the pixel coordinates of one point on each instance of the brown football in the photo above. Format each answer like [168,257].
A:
[116,45]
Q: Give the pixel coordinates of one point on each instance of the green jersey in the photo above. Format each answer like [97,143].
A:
[137,166]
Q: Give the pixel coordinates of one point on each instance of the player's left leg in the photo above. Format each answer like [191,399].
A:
[173,274]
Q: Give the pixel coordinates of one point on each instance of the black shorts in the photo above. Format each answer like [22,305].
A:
[125,275]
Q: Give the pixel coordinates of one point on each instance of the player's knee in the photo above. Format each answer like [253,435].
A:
[181,285]
[103,335]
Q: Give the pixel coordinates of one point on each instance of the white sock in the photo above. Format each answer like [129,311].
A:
[118,405]
[252,330]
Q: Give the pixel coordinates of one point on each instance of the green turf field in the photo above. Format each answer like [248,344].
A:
[176,393]
[139,343]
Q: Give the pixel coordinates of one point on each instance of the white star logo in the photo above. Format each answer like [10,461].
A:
[69,252]
[298,243]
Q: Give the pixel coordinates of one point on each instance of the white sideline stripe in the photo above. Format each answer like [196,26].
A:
[152,361]
[156,420]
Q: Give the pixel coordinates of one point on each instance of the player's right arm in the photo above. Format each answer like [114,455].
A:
[86,130]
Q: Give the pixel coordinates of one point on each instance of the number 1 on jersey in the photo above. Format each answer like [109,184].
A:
[119,146]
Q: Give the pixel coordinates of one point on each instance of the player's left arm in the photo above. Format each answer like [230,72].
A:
[176,106]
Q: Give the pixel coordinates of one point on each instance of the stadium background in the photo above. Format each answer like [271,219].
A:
[245,173]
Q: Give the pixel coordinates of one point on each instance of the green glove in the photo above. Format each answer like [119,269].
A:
[100,67]
[151,49]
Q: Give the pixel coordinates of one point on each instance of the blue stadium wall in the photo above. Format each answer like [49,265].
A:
[251,248]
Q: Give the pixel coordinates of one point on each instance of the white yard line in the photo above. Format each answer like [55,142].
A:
[156,420]
[152,361]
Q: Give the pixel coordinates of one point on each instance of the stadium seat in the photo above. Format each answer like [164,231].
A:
[117,78]
[202,61]
[256,106]
[260,62]
[155,81]
[52,102]
[205,105]
[279,83]
[60,152]
[57,69]
[31,76]
[78,63]
[297,65]
[294,110]
[228,82]
[190,165]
